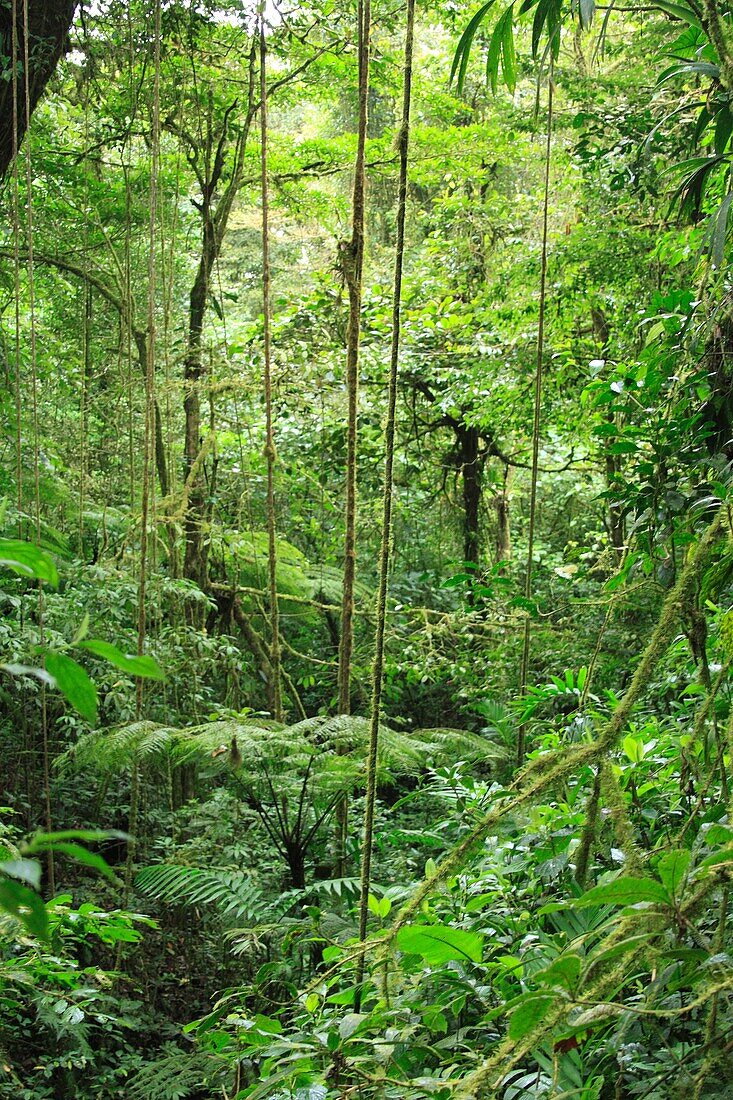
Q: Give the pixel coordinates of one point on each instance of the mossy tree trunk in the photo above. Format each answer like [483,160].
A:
[48,33]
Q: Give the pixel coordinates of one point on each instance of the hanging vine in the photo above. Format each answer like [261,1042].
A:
[351,256]
[149,424]
[270,454]
[536,423]
[403,148]
[30,275]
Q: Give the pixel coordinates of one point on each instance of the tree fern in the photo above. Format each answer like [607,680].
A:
[332,748]
[292,776]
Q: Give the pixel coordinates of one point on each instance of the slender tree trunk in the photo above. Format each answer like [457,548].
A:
[352,264]
[503,543]
[161,461]
[471,471]
[214,221]
[196,555]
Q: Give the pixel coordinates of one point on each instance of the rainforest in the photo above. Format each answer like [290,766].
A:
[366,550]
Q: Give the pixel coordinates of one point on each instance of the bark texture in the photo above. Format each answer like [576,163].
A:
[48,30]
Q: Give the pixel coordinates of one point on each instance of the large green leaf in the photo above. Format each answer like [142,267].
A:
[136,665]
[672,868]
[25,905]
[440,943]
[463,49]
[74,684]
[563,972]
[679,11]
[27,560]
[77,852]
[45,840]
[624,891]
[719,230]
[528,1013]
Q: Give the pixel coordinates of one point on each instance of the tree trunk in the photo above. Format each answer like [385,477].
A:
[617,533]
[296,864]
[48,25]
[503,544]
[214,221]
[161,461]
[196,557]
[471,470]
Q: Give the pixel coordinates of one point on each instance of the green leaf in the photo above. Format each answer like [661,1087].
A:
[586,11]
[634,748]
[538,23]
[603,956]
[723,129]
[528,1014]
[564,972]
[136,665]
[350,1023]
[28,560]
[81,631]
[624,891]
[440,943]
[508,54]
[723,856]
[496,47]
[79,853]
[720,231]
[25,870]
[463,49]
[42,841]
[623,447]
[74,684]
[26,905]
[672,868]
[679,11]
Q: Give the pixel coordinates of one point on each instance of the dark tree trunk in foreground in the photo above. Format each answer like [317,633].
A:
[48,26]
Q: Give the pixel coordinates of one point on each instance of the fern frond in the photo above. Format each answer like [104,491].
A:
[444,741]
[331,750]
[179,1075]
[230,893]
[112,750]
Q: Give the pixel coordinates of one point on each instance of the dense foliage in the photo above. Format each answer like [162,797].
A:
[182,842]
